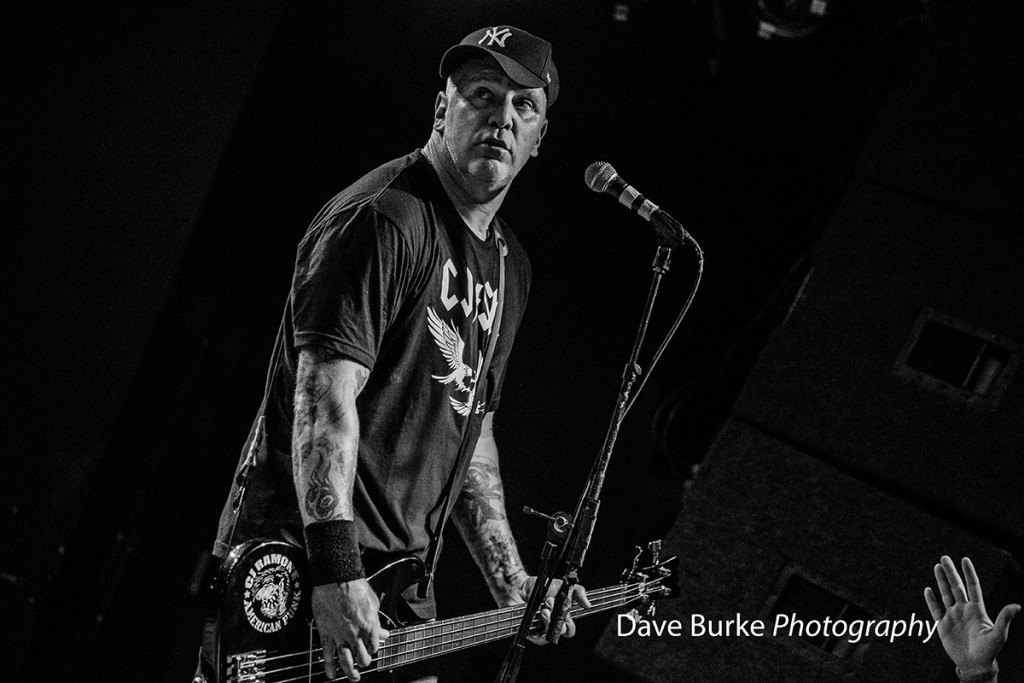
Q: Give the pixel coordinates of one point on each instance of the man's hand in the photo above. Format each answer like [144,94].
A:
[970,638]
[350,630]
[577,596]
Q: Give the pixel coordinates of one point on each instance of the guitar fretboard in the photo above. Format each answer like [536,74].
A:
[422,641]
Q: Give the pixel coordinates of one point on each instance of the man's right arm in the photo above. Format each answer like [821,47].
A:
[325,442]
[325,436]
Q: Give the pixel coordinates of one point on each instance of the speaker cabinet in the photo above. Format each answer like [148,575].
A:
[768,530]
[900,359]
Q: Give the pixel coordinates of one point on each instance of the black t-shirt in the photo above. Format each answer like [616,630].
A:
[389,275]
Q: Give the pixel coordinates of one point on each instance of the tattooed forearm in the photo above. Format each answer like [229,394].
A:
[482,496]
[325,435]
[315,386]
[321,497]
[501,558]
[481,519]
[496,554]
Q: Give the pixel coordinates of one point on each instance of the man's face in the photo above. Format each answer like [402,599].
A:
[490,125]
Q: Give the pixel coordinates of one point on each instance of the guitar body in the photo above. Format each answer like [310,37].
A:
[260,602]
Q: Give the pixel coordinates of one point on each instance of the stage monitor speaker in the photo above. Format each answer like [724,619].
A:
[768,532]
[901,358]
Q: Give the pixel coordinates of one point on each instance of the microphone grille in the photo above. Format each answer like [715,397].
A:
[599,174]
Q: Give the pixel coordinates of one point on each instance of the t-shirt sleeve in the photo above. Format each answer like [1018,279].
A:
[348,284]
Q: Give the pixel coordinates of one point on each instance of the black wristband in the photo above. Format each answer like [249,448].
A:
[333,552]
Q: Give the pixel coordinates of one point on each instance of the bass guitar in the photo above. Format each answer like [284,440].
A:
[260,627]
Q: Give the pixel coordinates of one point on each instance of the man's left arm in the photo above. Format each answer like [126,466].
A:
[479,514]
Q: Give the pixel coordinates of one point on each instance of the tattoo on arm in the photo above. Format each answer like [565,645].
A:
[480,516]
[502,561]
[321,498]
[325,434]
[482,488]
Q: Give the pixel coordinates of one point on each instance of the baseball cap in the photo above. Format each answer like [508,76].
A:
[525,58]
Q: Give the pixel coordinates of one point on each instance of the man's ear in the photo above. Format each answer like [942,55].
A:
[440,108]
[536,146]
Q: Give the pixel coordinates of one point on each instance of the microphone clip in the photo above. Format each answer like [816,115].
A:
[670,232]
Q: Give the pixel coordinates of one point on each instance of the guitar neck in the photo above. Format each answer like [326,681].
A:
[415,643]
[423,641]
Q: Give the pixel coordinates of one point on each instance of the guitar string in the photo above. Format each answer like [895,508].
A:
[413,654]
[597,596]
[418,654]
[451,641]
[601,599]
[409,658]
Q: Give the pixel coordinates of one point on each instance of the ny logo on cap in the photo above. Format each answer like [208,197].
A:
[496,35]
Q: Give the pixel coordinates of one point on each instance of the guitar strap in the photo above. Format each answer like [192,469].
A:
[461,467]
[254,444]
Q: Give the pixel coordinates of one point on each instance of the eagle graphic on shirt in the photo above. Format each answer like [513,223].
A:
[453,348]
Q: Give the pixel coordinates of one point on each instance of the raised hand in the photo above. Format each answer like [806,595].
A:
[970,638]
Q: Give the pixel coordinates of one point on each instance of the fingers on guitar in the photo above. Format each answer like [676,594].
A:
[348,665]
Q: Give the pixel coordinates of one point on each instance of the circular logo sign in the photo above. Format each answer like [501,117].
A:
[272,593]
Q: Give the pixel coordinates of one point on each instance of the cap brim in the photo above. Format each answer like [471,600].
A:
[513,69]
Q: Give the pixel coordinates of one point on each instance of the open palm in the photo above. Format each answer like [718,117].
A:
[970,638]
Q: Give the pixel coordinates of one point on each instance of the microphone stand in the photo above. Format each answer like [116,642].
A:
[569,538]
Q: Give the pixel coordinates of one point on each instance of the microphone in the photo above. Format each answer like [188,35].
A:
[601,177]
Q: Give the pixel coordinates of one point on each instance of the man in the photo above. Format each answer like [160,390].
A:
[389,357]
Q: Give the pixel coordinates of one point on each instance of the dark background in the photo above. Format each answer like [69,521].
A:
[162,163]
